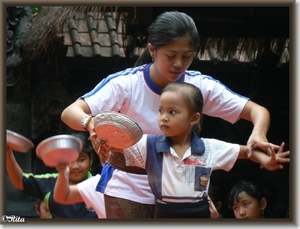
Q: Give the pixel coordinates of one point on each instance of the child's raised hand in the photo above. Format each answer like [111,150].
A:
[63,169]
[276,160]
[8,149]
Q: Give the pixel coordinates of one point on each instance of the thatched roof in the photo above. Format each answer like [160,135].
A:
[42,36]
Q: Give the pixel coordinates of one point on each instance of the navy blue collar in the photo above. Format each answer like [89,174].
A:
[150,83]
[163,144]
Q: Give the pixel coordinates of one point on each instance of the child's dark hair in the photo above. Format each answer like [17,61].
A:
[87,146]
[38,203]
[253,189]
[249,187]
[193,97]
[166,28]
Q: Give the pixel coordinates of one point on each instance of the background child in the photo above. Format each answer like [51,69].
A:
[41,186]
[42,209]
[248,200]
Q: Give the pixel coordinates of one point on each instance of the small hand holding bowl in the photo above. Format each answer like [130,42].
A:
[59,149]
[18,142]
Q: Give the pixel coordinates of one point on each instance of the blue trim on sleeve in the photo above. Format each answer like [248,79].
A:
[111,77]
[106,175]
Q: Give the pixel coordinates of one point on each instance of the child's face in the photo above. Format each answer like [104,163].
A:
[80,168]
[174,118]
[248,207]
[43,210]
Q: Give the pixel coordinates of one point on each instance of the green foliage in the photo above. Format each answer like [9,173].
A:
[35,9]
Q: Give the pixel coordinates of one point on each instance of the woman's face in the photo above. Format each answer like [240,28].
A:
[170,61]
[248,207]
[80,168]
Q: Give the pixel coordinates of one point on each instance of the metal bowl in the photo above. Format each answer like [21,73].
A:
[116,129]
[59,149]
[18,142]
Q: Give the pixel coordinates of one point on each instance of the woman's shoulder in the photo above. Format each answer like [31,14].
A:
[193,73]
[128,71]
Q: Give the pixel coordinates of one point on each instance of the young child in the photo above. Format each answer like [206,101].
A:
[217,197]
[41,186]
[66,193]
[42,209]
[248,200]
[179,163]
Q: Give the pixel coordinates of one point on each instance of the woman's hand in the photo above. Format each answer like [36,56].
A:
[260,118]
[259,140]
[100,147]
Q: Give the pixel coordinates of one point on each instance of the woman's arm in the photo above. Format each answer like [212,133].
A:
[260,117]
[14,171]
[75,113]
[64,193]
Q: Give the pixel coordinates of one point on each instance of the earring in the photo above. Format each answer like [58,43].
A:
[152,58]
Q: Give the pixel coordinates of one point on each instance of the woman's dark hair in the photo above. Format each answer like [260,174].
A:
[166,28]
[193,97]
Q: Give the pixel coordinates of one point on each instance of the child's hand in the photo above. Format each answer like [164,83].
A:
[8,149]
[63,169]
[276,160]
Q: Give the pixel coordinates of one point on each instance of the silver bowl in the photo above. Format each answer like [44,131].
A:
[116,129]
[59,149]
[18,142]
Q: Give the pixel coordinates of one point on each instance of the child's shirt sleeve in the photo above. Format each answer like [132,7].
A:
[38,185]
[136,154]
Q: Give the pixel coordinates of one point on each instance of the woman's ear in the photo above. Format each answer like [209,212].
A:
[195,118]
[151,49]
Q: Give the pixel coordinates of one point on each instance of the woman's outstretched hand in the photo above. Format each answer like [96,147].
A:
[100,147]
[257,140]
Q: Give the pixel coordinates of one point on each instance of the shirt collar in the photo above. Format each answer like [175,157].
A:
[163,144]
[150,83]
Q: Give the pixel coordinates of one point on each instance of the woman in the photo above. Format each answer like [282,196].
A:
[41,186]
[172,44]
